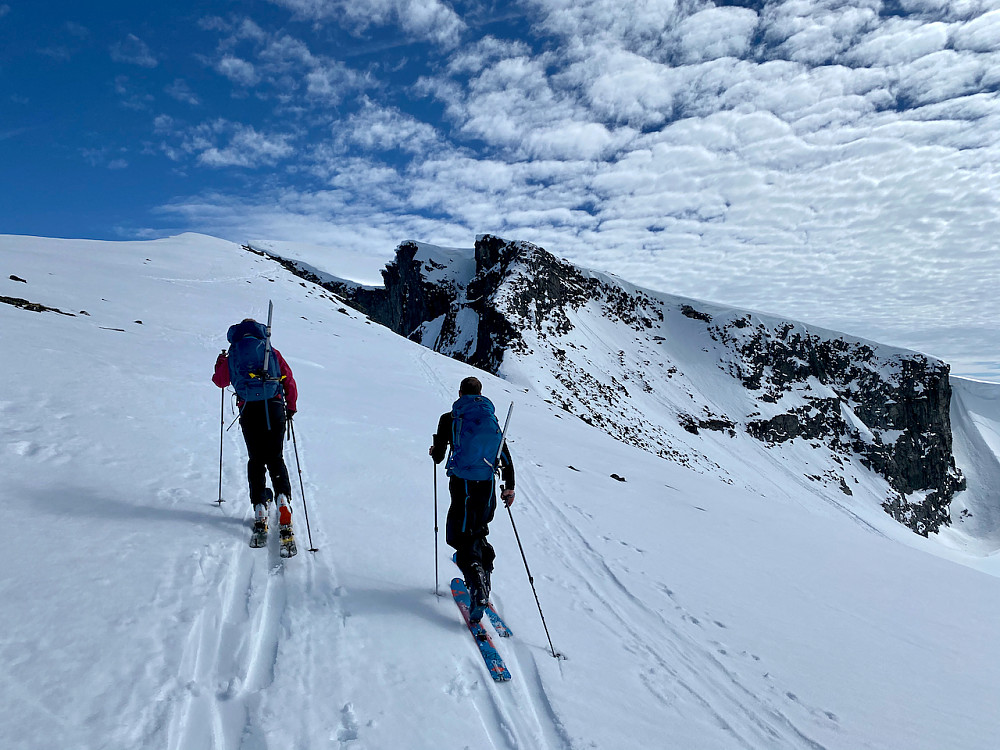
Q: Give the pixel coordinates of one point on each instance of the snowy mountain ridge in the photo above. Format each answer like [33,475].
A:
[692,612]
[640,364]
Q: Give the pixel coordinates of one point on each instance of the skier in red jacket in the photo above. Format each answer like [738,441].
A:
[263,424]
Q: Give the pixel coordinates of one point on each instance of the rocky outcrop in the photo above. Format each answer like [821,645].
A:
[890,409]
[615,356]
[403,304]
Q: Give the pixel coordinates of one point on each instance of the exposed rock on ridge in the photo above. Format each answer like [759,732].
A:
[615,356]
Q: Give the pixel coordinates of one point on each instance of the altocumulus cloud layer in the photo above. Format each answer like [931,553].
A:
[829,160]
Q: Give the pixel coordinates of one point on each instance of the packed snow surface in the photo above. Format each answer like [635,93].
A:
[694,610]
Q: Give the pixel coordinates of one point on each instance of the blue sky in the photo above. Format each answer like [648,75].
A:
[833,161]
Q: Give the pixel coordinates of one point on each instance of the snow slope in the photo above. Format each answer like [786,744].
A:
[975,418]
[693,613]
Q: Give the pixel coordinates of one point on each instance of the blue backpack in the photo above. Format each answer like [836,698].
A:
[248,344]
[475,439]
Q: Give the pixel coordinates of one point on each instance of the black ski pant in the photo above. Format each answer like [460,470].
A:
[263,424]
[473,503]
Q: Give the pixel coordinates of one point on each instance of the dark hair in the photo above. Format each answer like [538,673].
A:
[470,387]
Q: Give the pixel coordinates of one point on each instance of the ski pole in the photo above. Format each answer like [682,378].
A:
[298,465]
[222,427]
[531,580]
[436,592]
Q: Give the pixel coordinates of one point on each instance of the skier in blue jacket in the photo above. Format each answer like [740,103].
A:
[471,431]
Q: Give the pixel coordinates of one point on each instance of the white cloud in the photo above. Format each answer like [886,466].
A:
[486,51]
[621,86]
[940,76]
[236,29]
[981,34]
[237,70]
[513,104]
[818,33]
[163,124]
[133,51]
[814,159]
[221,143]
[934,8]
[383,129]
[285,53]
[104,157]
[281,67]
[430,20]
[900,43]
[643,29]
[570,140]
[246,148]
[714,33]
[181,91]
[330,83]
[247,28]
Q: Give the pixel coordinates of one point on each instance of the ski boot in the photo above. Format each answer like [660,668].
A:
[479,591]
[258,538]
[285,533]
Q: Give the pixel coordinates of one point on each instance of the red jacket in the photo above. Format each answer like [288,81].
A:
[221,379]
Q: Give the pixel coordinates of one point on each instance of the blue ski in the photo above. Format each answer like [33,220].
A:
[498,624]
[498,671]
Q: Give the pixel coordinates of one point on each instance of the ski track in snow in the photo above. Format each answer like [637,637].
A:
[432,375]
[681,665]
[517,715]
[530,696]
[230,651]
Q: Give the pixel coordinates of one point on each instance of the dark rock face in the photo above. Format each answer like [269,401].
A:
[406,301]
[886,408]
[902,399]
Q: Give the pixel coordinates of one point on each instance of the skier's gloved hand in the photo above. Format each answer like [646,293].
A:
[507,496]
[290,413]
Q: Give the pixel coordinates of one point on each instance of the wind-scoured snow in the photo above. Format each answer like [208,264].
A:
[697,607]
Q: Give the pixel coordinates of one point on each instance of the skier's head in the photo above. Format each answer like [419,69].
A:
[246,327]
[470,387]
